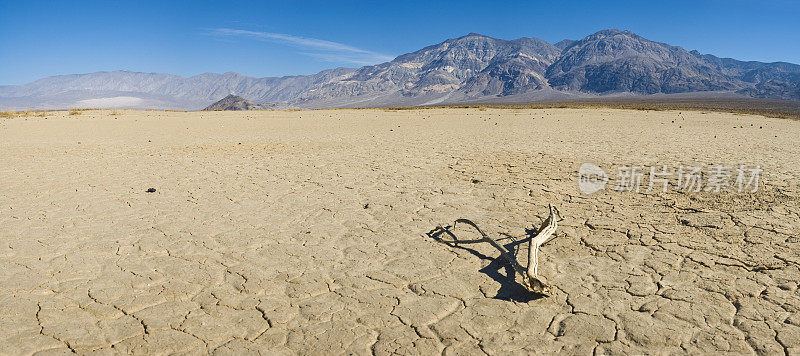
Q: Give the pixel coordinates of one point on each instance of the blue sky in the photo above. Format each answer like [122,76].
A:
[261,38]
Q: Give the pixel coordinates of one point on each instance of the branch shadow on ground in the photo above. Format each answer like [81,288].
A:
[510,289]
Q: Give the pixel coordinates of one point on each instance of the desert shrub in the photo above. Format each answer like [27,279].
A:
[26,113]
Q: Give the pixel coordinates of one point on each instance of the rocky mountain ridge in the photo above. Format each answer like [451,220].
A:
[471,68]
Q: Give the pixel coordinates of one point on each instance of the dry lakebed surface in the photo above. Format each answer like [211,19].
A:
[306,232]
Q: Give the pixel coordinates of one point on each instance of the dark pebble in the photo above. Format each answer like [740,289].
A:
[151,190]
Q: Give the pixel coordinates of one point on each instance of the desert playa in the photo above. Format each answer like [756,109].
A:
[305,232]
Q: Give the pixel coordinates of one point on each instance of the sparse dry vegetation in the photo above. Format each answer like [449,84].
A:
[26,113]
[785,109]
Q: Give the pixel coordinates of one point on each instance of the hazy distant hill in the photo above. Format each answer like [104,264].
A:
[472,68]
[233,102]
[157,90]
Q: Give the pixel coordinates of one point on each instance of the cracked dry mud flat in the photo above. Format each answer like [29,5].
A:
[304,232]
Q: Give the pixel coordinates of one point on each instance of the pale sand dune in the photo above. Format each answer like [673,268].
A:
[113,102]
[309,236]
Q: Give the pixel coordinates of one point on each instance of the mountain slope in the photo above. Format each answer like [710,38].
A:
[620,61]
[473,65]
[471,68]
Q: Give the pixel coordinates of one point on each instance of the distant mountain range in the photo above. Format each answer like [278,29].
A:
[469,69]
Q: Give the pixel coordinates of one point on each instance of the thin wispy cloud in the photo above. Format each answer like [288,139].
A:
[326,50]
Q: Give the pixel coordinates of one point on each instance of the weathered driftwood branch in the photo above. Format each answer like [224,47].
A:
[530,275]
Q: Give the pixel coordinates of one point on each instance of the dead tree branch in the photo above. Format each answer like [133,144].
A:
[530,274]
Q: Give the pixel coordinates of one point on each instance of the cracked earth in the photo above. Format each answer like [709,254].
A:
[304,232]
